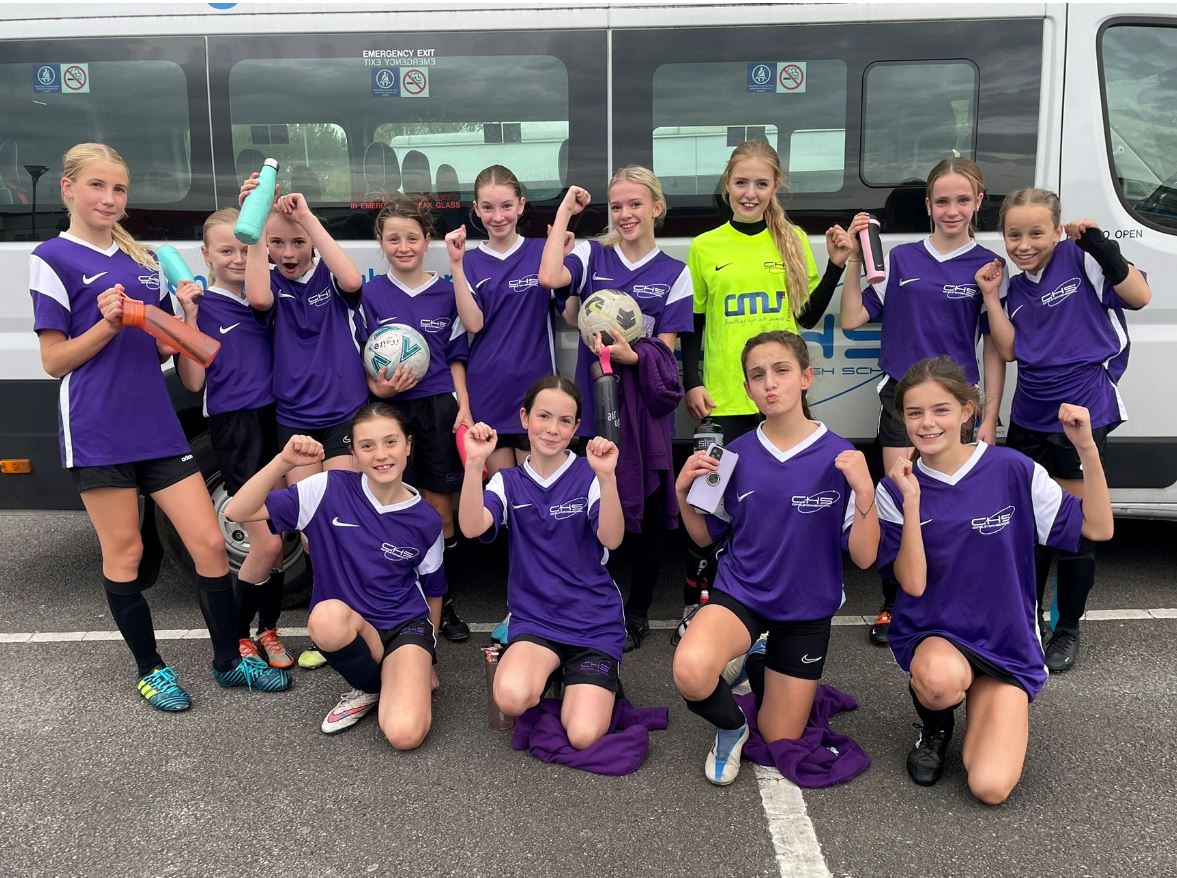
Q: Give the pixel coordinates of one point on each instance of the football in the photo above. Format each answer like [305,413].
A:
[606,309]
[393,345]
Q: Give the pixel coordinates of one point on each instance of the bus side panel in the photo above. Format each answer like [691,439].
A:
[30,431]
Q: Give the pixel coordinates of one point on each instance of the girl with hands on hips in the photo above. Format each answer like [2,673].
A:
[781,570]
[562,515]
[960,525]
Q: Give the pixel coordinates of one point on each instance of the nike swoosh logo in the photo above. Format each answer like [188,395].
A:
[89,280]
[286,296]
[1015,311]
[740,497]
[520,505]
[386,320]
[910,280]
[225,329]
[807,660]
[335,521]
[481,282]
[351,711]
[929,521]
[599,277]
[722,267]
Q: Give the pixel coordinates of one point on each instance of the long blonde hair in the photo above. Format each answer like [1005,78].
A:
[784,233]
[72,163]
[643,177]
[226,216]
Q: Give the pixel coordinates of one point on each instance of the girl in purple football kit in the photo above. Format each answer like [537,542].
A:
[435,405]
[961,525]
[239,405]
[928,306]
[119,433]
[627,258]
[501,301]
[563,516]
[298,271]
[378,555]
[780,563]
[1066,330]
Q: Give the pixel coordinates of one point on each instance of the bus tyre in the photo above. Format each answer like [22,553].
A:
[298,581]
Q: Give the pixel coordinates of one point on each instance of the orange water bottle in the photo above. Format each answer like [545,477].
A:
[191,343]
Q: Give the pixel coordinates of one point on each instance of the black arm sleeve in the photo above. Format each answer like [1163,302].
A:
[1106,252]
[691,343]
[819,299]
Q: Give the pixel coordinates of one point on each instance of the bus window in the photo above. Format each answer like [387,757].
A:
[914,115]
[312,156]
[1140,96]
[140,107]
[700,108]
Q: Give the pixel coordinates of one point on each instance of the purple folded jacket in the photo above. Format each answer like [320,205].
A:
[621,750]
[820,757]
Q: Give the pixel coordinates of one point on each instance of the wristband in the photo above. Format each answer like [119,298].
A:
[868,509]
[1106,253]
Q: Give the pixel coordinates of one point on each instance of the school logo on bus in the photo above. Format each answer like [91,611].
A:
[744,304]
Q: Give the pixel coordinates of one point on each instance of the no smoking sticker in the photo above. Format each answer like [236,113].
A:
[790,77]
[776,77]
[414,82]
[75,79]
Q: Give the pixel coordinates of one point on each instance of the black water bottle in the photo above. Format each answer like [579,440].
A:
[605,407]
[708,433]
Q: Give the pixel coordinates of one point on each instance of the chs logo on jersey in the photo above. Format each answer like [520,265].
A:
[434,325]
[815,502]
[960,291]
[319,299]
[151,281]
[651,291]
[399,553]
[519,284]
[995,523]
[1061,293]
[568,508]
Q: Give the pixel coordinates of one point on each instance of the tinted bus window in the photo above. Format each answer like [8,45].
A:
[913,116]
[368,117]
[53,95]
[700,109]
[1140,97]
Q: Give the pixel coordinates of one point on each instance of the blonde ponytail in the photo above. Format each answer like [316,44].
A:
[785,235]
[82,154]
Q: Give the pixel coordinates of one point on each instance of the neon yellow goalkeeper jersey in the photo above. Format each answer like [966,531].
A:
[740,287]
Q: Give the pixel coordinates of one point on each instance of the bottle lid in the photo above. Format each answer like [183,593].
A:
[273,163]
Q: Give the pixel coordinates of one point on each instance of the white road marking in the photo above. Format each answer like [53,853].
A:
[798,853]
[487,627]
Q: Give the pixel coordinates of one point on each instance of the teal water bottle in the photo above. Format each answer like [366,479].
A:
[256,208]
[175,269]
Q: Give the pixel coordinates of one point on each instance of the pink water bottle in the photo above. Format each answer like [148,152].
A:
[872,252]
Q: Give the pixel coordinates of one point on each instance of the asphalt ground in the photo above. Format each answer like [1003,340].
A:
[95,783]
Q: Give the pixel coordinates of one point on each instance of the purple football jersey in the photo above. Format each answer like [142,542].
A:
[318,375]
[979,527]
[114,408]
[557,587]
[782,517]
[431,310]
[241,376]
[659,283]
[515,346]
[1070,341]
[382,561]
[930,306]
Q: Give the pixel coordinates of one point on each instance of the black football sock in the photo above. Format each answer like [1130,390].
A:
[270,601]
[1076,576]
[248,594]
[131,614]
[934,719]
[217,604]
[719,708]
[355,664]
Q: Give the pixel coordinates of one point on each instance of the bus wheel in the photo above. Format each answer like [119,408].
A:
[298,580]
